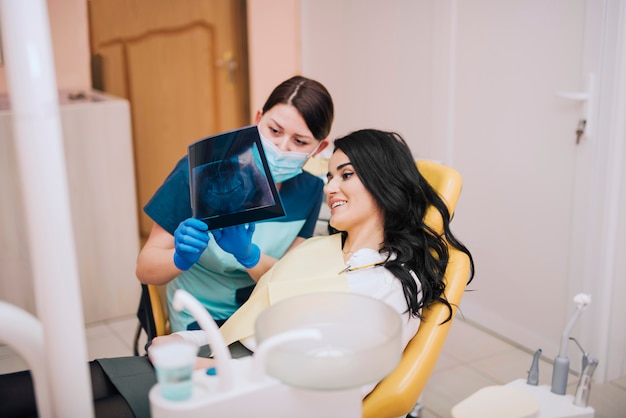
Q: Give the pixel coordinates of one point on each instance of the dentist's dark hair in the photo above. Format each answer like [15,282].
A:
[384,164]
[312,100]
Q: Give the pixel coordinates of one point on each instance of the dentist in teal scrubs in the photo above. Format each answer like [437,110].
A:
[221,267]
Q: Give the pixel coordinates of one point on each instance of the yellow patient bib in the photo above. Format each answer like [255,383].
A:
[313,266]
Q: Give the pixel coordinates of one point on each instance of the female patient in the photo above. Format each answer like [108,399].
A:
[383,249]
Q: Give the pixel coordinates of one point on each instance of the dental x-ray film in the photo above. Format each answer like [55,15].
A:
[230,181]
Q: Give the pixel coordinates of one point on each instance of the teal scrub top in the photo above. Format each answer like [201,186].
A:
[217,280]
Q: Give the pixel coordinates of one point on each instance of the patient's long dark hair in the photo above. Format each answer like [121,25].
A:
[386,167]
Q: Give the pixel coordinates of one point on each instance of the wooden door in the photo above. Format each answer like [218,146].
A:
[183,67]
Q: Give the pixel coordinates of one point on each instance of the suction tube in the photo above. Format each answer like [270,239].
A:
[560,370]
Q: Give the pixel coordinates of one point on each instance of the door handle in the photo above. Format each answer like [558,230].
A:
[588,99]
[228,61]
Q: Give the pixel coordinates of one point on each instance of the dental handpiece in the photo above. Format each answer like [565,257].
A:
[581,398]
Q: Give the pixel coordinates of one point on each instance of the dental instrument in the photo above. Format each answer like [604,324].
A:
[560,369]
[581,397]
[585,358]
[533,373]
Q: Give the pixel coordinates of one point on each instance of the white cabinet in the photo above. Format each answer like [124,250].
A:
[100,171]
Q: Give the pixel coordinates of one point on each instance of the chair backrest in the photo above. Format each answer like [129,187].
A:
[152,314]
[447,182]
[397,394]
[158,299]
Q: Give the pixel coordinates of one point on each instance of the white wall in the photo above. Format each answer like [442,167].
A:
[612,119]
[618,338]
[273,46]
[376,60]
[392,65]
[69,34]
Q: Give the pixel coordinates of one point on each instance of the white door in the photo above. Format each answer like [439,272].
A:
[474,84]
[529,195]
[516,148]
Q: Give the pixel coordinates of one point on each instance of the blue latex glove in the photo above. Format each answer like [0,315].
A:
[237,240]
[190,240]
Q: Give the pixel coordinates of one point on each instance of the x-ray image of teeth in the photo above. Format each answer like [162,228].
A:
[231,185]
[230,180]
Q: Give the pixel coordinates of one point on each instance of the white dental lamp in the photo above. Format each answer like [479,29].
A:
[33,95]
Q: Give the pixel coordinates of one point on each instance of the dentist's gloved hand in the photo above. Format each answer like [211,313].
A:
[190,240]
[237,240]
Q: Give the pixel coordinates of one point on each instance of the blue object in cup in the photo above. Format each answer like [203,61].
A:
[173,363]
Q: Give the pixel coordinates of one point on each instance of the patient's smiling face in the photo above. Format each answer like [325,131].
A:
[351,205]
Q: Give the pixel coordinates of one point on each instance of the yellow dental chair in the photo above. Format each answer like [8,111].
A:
[152,314]
[399,393]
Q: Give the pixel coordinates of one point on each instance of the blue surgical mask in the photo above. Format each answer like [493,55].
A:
[283,164]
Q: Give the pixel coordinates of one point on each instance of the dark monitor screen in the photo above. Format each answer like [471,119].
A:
[230,181]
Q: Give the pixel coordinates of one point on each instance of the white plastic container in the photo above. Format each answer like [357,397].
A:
[360,344]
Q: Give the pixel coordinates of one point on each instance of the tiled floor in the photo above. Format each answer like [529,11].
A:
[471,359]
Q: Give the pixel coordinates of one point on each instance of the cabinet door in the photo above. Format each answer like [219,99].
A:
[182,66]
